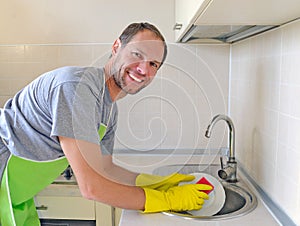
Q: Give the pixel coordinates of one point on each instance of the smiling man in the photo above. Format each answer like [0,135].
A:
[133,65]
[69,116]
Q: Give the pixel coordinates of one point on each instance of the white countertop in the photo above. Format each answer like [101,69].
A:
[259,216]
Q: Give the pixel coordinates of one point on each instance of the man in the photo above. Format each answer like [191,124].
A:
[68,116]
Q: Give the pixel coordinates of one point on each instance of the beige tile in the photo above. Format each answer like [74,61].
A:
[9,70]
[100,54]
[272,43]
[18,84]
[290,38]
[75,54]
[4,87]
[290,68]
[295,97]
[34,53]
[29,70]
[294,132]
[273,143]
[3,100]
[12,53]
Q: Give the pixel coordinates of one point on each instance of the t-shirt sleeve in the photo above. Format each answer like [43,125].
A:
[73,106]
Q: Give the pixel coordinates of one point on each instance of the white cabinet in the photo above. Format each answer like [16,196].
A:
[60,201]
[53,207]
[107,215]
[103,215]
[233,12]
[185,14]
[255,12]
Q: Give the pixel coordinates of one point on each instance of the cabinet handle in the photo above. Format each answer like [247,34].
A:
[42,207]
[113,216]
[177,26]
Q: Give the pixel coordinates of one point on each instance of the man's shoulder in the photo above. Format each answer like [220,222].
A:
[75,74]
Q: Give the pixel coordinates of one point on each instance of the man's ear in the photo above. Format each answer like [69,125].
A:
[116,46]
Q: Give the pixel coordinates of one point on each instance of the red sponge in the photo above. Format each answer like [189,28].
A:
[203,180]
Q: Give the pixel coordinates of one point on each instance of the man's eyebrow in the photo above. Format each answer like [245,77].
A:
[141,51]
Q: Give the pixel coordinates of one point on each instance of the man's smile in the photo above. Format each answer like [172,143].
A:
[132,76]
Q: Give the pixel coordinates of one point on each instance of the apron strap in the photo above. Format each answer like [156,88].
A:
[6,210]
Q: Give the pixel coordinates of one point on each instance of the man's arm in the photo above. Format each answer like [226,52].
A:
[117,173]
[93,180]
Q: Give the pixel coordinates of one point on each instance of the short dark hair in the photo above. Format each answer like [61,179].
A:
[132,29]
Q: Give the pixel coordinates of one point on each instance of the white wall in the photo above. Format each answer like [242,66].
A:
[172,113]
[78,21]
[265,93]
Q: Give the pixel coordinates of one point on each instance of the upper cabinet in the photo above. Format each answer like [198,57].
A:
[230,20]
[186,13]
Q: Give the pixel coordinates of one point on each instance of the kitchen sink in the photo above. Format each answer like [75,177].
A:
[240,199]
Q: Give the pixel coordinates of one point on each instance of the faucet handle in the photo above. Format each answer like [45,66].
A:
[221,161]
[228,172]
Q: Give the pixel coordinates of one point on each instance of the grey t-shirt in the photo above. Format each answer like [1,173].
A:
[70,102]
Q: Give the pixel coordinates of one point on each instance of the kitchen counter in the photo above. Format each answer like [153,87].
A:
[259,216]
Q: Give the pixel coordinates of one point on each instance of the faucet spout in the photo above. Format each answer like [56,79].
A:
[231,137]
[229,171]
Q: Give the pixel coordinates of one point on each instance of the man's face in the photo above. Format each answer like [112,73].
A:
[136,64]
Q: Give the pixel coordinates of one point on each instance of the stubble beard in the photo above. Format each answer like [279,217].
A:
[119,79]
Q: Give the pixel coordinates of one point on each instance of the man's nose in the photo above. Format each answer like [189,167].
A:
[142,67]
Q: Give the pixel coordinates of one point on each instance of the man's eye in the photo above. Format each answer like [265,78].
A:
[137,54]
[155,65]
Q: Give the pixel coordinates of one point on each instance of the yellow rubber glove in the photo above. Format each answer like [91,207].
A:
[178,198]
[161,183]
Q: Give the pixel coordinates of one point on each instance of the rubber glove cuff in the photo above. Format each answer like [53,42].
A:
[161,183]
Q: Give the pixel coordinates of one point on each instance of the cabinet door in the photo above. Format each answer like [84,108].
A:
[185,14]
[107,215]
[103,214]
[117,215]
[254,12]
[77,208]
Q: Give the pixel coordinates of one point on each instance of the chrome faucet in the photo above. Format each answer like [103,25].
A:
[227,172]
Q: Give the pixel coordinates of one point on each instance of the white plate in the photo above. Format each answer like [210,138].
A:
[216,197]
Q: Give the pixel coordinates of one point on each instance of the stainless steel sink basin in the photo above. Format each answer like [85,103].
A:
[240,200]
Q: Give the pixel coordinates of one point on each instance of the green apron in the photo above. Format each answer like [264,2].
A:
[22,180]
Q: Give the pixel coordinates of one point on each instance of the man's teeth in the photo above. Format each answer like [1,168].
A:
[134,78]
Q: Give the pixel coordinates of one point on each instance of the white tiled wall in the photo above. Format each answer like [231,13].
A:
[264,104]
[20,64]
[172,113]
